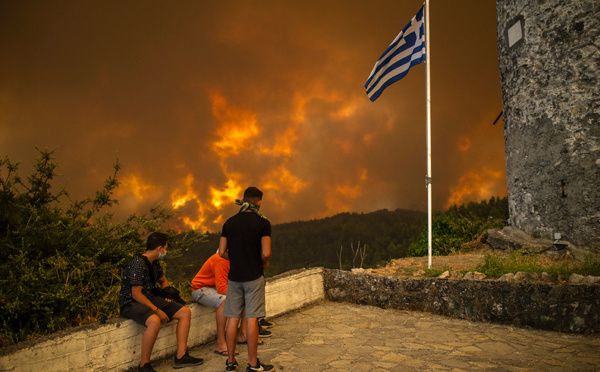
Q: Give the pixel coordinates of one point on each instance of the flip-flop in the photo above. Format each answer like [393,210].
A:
[224,353]
[260,343]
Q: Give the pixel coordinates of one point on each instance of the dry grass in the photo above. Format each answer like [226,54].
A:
[479,256]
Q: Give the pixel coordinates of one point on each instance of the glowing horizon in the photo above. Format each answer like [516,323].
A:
[200,100]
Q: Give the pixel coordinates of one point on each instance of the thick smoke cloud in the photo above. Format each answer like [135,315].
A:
[199,100]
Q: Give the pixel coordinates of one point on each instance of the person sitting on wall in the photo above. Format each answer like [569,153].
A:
[138,302]
[209,288]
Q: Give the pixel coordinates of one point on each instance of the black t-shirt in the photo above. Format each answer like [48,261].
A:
[137,273]
[244,232]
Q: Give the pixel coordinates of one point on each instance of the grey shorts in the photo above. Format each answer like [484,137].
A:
[208,296]
[249,295]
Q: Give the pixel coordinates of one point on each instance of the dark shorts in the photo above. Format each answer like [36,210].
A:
[140,312]
[249,295]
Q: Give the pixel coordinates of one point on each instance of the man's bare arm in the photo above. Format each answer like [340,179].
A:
[223,248]
[265,253]
[164,283]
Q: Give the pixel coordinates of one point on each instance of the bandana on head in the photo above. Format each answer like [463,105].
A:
[252,207]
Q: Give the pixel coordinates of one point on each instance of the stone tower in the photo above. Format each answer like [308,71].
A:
[549,58]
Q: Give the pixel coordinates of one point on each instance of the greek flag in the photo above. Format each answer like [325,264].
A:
[407,50]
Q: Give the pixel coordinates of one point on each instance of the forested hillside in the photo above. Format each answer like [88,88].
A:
[382,235]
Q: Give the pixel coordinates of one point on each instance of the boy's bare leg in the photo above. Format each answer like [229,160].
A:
[184,317]
[244,324]
[221,324]
[243,327]
[149,337]
[252,334]
[231,338]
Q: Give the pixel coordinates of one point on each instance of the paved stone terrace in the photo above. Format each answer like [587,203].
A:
[333,336]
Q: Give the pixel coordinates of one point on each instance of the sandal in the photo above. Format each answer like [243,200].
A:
[260,343]
[225,353]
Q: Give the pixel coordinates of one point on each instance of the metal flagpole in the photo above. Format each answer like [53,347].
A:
[428,179]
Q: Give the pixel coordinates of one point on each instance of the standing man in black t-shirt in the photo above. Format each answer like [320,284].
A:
[137,302]
[246,243]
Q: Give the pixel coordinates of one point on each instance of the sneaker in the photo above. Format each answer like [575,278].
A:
[231,366]
[187,361]
[147,368]
[265,323]
[259,367]
[263,332]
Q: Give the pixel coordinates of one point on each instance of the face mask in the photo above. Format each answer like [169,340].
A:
[162,255]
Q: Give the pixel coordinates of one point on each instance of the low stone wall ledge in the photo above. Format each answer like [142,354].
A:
[116,345]
[569,308]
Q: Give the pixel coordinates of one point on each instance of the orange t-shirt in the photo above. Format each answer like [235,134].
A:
[213,273]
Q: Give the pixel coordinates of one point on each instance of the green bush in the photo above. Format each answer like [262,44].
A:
[458,226]
[61,264]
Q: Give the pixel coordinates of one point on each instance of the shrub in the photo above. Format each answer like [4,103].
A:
[450,231]
[61,264]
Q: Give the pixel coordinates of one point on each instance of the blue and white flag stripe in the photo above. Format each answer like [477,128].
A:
[407,50]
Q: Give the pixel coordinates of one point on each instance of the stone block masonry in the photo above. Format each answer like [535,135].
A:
[116,345]
[549,60]
[554,307]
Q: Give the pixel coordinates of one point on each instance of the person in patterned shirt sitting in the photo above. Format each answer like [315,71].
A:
[138,302]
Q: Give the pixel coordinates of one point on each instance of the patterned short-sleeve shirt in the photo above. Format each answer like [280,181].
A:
[136,273]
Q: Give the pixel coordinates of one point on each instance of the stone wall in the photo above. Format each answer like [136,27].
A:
[549,61]
[116,345]
[554,307]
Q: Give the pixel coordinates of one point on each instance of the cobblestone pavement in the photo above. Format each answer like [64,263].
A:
[334,336]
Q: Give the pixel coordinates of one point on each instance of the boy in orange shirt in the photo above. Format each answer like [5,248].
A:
[209,288]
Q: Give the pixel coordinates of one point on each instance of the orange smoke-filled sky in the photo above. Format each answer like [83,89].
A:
[200,99]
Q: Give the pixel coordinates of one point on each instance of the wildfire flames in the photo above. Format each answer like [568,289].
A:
[235,136]
[247,149]
[476,187]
